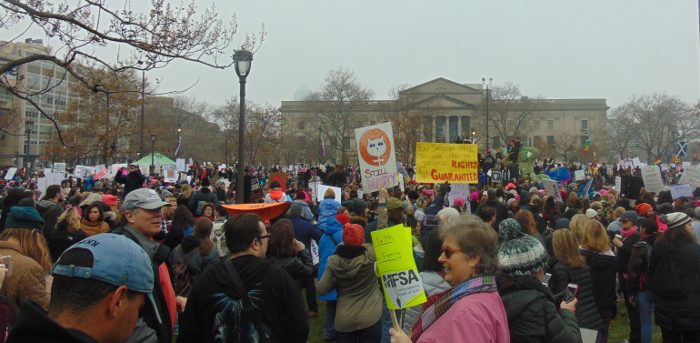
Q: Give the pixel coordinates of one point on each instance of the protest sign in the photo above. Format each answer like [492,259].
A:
[102,173]
[691,176]
[678,191]
[169,174]
[396,267]
[375,148]
[279,177]
[145,169]
[618,183]
[459,191]
[496,176]
[561,174]
[579,175]
[636,161]
[180,164]
[10,173]
[587,189]
[360,193]
[439,162]
[652,179]
[322,191]
[314,190]
[552,189]
[59,168]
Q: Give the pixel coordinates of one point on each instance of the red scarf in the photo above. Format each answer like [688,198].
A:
[629,232]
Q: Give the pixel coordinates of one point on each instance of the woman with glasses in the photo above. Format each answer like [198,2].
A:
[472,311]
[595,247]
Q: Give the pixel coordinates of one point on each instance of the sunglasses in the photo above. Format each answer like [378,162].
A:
[624,220]
[448,251]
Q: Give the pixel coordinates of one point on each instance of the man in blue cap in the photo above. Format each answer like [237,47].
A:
[100,285]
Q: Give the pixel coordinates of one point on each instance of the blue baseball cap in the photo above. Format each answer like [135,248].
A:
[117,260]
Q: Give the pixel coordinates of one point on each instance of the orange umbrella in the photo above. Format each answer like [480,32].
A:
[265,211]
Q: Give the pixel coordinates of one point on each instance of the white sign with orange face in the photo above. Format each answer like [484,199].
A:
[375,147]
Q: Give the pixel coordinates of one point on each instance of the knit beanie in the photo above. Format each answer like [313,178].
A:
[675,219]
[353,234]
[449,212]
[642,208]
[342,218]
[356,206]
[519,254]
[459,202]
[25,218]
[300,195]
[296,208]
[631,215]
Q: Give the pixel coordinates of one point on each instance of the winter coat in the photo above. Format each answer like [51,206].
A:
[433,283]
[679,315]
[275,196]
[326,248]
[304,231]
[197,262]
[62,239]
[92,229]
[587,313]
[214,312]
[204,194]
[299,267]
[28,281]
[132,181]
[603,274]
[35,326]
[327,209]
[474,318]
[638,266]
[350,271]
[625,251]
[50,211]
[534,316]
[306,210]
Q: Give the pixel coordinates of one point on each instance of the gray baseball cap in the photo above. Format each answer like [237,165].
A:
[145,198]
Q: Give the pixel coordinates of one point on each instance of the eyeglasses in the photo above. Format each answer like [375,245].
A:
[449,251]
[266,236]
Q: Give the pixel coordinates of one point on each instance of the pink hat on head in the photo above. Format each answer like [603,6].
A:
[459,202]
[604,192]
[475,196]
[542,191]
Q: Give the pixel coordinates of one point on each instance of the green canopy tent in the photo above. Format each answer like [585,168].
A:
[158,160]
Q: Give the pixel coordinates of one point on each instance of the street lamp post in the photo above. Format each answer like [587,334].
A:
[153,154]
[320,131]
[143,101]
[483,79]
[28,127]
[243,60]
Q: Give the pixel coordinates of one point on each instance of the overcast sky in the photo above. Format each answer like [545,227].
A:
[556,49]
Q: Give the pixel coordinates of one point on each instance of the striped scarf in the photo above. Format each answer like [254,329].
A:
[478,284]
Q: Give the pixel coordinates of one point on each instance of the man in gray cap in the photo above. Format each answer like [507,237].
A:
[99,286]
[143,214]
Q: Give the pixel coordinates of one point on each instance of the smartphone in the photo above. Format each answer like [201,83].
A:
[7,261]
[571,291]
[546,278]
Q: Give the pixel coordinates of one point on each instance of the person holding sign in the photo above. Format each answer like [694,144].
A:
[350,271]
[472,310]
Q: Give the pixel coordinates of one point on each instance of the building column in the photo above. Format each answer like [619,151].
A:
[459,127]
[434,129]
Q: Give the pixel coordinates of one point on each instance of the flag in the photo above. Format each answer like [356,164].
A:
[588,145]
[323,148]
[657,161]
[177,149]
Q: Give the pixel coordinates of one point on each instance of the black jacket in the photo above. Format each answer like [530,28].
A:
[197,262]
[132,181]
[603,274]
[625,251]
[679,314]
[50,211]
[587,313]
[214,312]
[35,326]
[159,254]
[61,239]
[300,267]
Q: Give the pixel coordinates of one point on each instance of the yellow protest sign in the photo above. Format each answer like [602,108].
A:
[397,267]
[439,162]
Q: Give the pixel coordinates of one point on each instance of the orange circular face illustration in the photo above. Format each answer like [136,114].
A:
[375,148]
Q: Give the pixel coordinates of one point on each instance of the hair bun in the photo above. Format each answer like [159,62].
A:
[510,229]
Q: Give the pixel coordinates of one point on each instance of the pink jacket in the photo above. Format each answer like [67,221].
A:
[475,318]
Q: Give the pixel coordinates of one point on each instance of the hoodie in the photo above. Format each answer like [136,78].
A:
[197,262]
[351,271]
[275,196]
[327,209]
[50,211]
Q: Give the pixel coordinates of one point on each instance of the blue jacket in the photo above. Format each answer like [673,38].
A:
[326,248]
[327,209]
[304,231]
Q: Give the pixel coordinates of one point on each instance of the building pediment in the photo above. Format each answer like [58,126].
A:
[443,101]
[441,86]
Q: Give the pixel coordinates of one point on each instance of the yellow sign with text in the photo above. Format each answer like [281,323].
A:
[396,267]
[439,162]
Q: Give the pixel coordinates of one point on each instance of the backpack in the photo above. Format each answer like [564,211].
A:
[182,282]
[668,282]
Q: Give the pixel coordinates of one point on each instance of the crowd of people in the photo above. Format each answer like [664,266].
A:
[134,258]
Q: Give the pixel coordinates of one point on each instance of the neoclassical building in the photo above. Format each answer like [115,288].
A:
[446,110]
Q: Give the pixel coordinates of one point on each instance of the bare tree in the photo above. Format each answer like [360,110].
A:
[509,112]
[408,118]
[622,129]
[336,107]
[146,40]
[660,122]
